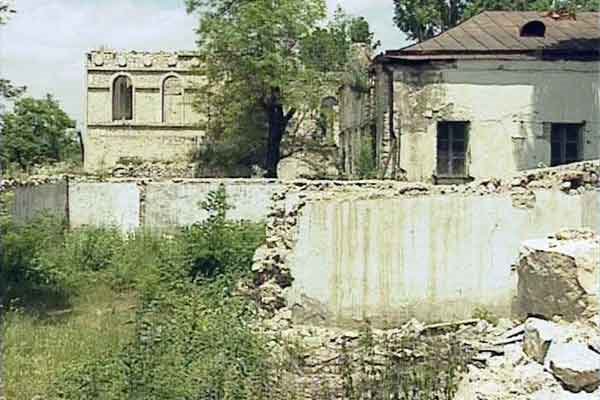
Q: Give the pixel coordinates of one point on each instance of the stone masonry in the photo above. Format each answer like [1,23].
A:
[139,108]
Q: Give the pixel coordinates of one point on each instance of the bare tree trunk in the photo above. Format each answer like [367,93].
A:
[278,122]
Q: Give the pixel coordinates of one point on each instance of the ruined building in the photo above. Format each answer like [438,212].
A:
[139,108]
[499,93]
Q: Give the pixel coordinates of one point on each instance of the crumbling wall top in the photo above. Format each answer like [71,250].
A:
[104,59]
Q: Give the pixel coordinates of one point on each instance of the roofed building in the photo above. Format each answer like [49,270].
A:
[501,92]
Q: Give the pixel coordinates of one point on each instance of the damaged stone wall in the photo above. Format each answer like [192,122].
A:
[490,358]
[510,106]
[163,129]
[389,251]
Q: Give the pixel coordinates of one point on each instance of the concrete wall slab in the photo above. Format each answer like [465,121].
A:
[178,204]
[105,204]
[30,201]
[433,258]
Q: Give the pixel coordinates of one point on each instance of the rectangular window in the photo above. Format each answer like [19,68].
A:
[565,144]
[452,144]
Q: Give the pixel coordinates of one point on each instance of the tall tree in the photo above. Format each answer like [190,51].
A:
[266,62]
[7,90]
[35,132]
[422,19]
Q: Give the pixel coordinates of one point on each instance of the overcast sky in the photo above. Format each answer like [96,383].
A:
[43,45]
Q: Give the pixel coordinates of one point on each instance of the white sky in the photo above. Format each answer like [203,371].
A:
[43,45]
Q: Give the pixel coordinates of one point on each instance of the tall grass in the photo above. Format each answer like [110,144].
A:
[140,316]
[94,314]
[38,346]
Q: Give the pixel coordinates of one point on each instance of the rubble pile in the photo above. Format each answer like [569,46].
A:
[330,360]
[149,169]
[539,360]
[556,355]
[536,360]
[552,356]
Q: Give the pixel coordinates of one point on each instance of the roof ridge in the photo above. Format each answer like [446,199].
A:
[499,31]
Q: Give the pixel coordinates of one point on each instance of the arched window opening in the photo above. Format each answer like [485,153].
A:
[122,99]
[533,29]
[172,100]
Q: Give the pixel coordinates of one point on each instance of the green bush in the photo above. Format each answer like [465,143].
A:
[22,271]
[193,338]
[182,349]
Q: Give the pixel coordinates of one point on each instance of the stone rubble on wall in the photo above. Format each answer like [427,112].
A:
[572,179]
[10,183]
[560,275]
[271,267]
[154,170]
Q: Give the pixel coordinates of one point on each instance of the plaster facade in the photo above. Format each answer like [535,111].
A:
[164,125]
[509,105]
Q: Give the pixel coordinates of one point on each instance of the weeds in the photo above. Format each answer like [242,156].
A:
[149,316]
[405,368]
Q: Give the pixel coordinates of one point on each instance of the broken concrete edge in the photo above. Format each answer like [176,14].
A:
[583,175]
[560,275]
[272,274]
[566,350]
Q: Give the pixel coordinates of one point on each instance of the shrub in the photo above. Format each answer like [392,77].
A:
[193,338]
[22,272]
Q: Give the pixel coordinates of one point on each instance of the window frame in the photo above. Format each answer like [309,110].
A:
[130,115]
[561,130]
[451,155]
[163,111]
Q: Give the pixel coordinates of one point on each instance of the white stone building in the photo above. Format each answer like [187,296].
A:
[499,93]
[139,108]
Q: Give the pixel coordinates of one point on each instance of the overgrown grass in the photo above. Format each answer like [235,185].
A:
[141,316]
[97,315]
[38,346]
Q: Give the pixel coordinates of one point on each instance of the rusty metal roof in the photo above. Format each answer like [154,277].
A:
[496,34]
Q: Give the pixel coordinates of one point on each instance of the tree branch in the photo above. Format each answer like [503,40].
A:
[289,115]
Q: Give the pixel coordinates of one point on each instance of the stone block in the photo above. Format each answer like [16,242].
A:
[539,335]
[575,365]
[560,276]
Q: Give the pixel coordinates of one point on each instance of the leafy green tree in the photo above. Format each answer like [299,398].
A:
[35,132]
[328,49]
[265,63]
[422,19]
[7,90]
